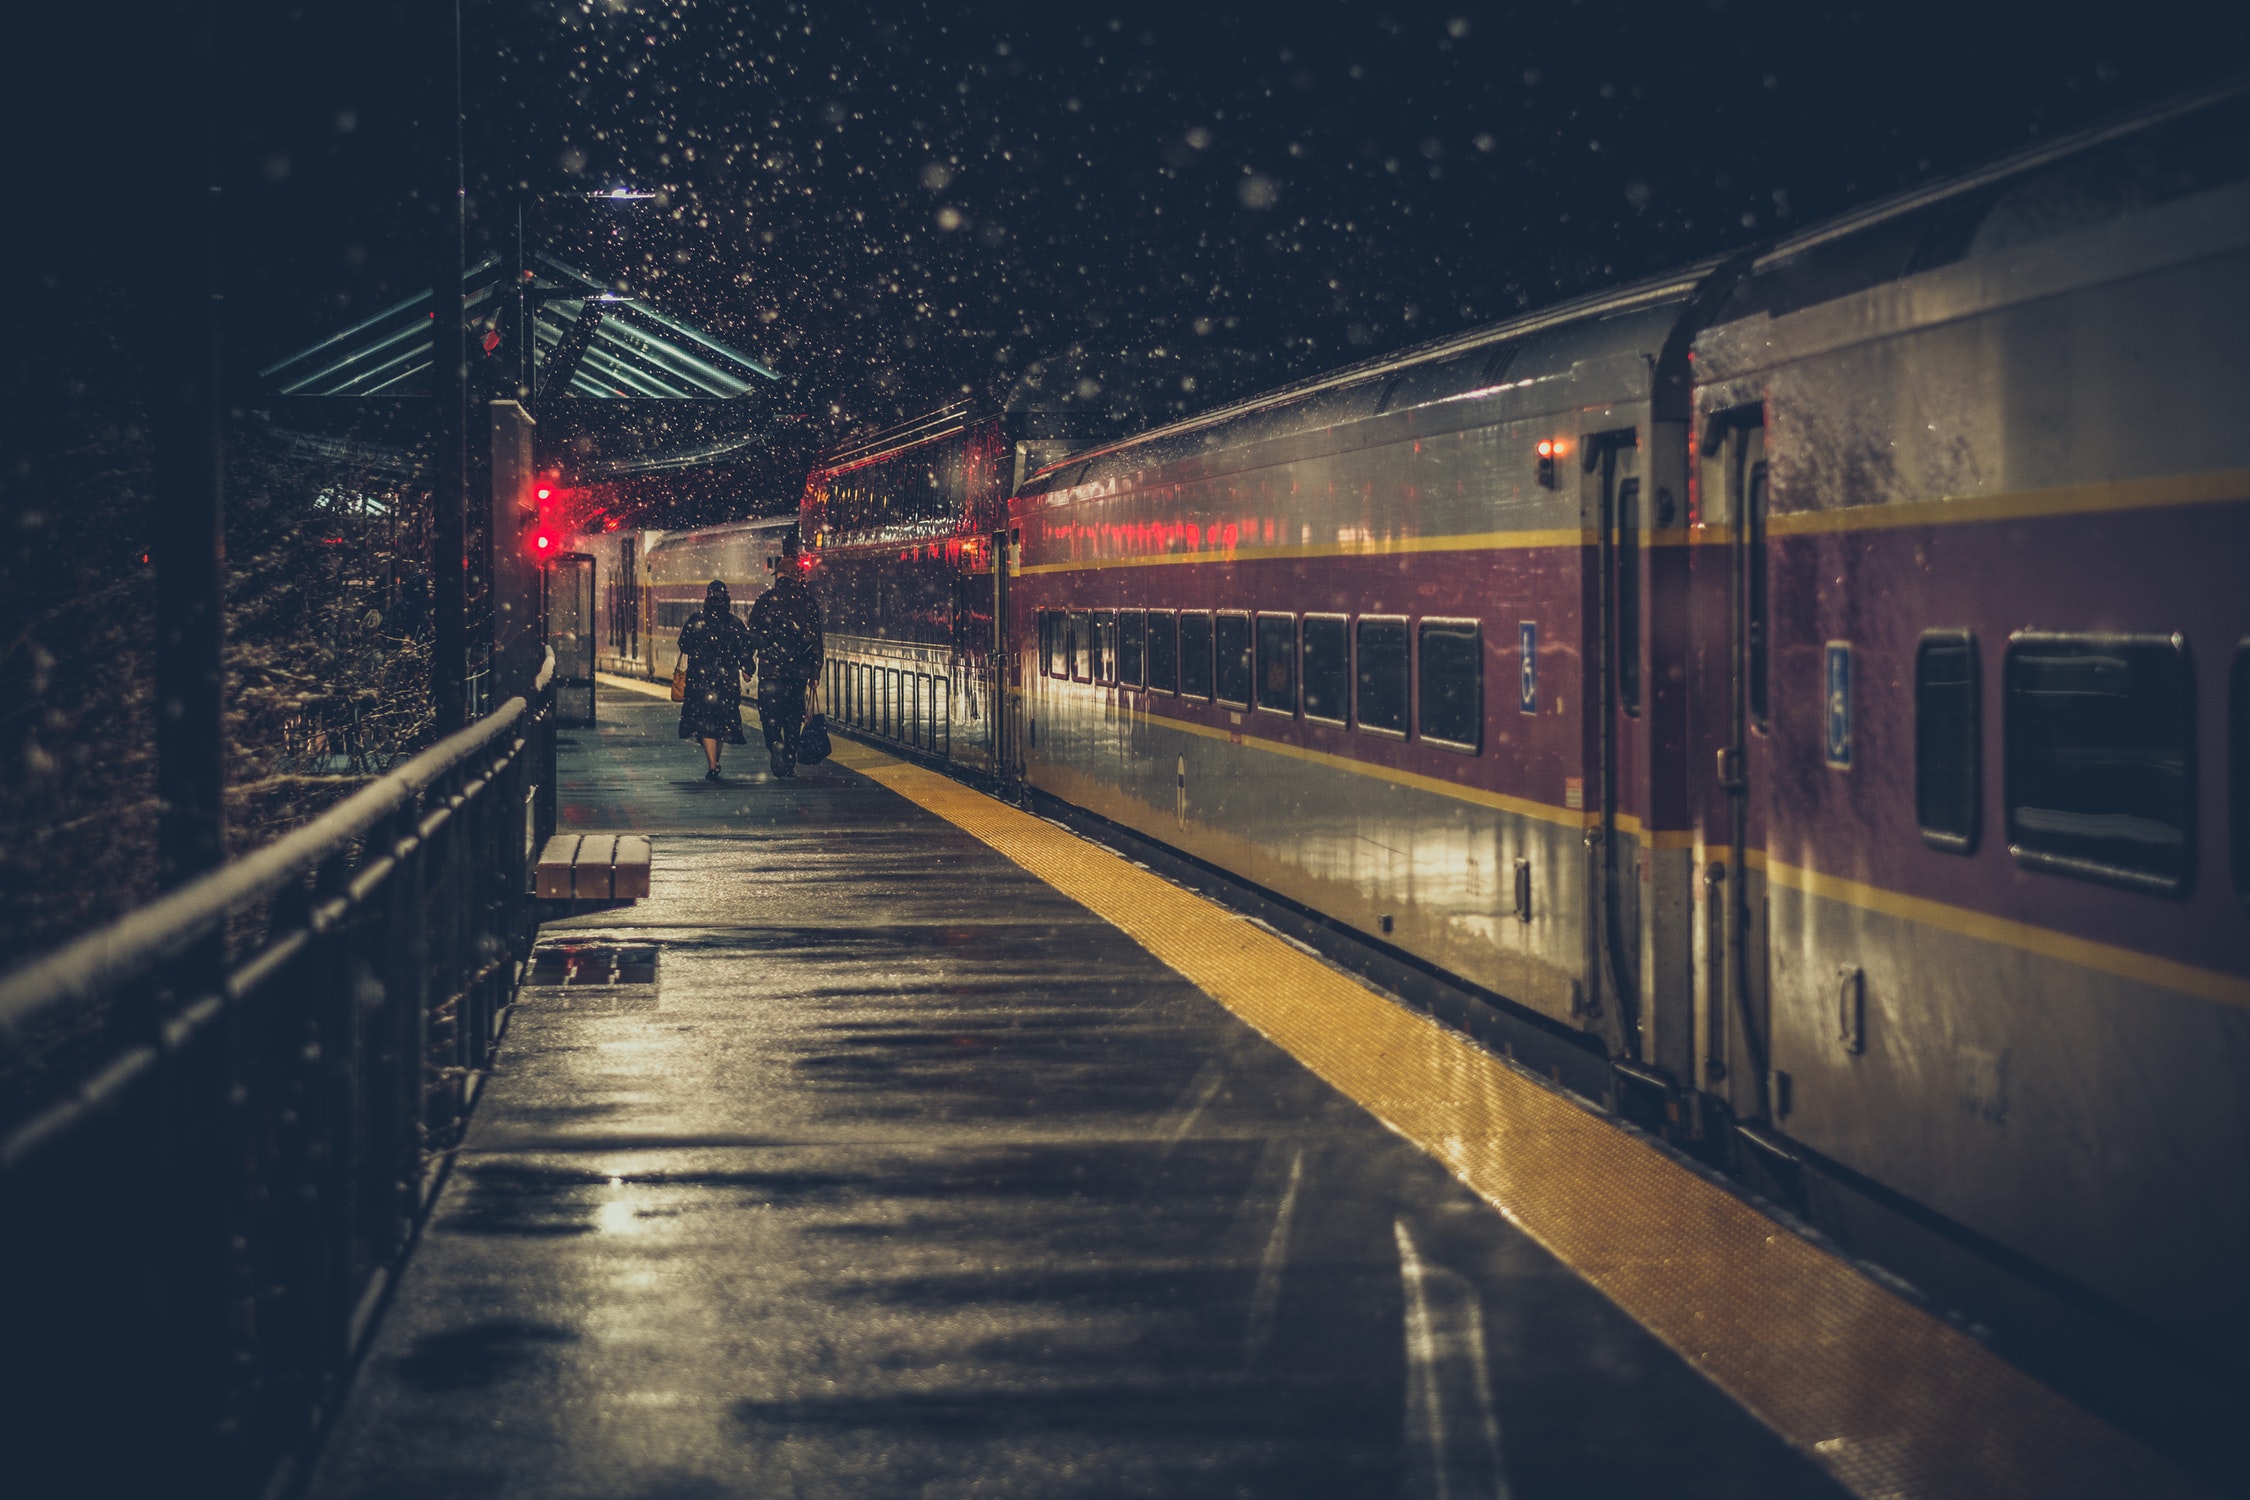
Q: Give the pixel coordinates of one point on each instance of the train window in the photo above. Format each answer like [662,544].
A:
[1327,668]
[1163,651]
[1049,651]
[1230,645]
[1081,639]
[2098,732]
[1452,685]
[2238,766]
[1382,674]
[1195,654]
[1132,639]
[1277,663]
[1105,646]
[1947,752]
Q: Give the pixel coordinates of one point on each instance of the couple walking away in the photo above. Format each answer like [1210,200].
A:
[781,644]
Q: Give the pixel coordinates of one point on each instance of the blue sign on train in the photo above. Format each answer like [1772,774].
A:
[1527,679]
[1839,705]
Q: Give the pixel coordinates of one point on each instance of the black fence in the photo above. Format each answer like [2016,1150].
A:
[201,1217]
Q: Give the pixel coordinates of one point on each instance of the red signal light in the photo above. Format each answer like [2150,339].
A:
[1546,450]
[545,492]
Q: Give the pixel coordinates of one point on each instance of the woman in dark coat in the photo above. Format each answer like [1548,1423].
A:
[718,650]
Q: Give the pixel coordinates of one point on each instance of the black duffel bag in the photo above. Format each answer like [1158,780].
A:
[812,741]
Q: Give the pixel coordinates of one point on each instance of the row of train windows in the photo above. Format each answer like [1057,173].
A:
[2098,756]
[1331,668]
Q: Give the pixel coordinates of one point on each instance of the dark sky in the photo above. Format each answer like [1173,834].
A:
[1204,199]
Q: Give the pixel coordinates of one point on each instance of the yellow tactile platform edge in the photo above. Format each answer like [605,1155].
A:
[1891,1400]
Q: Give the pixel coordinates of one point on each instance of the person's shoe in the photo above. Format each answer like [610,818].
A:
[712,774]
[783,764]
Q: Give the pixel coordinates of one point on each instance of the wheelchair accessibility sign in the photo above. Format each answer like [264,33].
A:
[1838,735]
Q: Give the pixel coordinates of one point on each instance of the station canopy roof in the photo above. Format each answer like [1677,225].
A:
[590,342]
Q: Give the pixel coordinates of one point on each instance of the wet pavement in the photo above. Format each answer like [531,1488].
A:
[908,1176]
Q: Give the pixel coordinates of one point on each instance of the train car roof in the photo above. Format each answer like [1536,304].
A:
[867,446]
[721,532]
[1030,422]
[2181,146]
[2174,148]
[1630,320]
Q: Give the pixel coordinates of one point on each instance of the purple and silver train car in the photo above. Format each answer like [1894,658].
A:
[1971,656]
[899,526]
[1344,641]
[1821,682]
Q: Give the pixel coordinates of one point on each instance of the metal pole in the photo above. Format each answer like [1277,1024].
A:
[449,489]
[188,538]
[519,263]
[185,1391]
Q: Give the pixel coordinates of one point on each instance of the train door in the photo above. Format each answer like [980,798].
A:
[571,635]
[1740,1012]
[629,600]
[1004,692]
[1611,462]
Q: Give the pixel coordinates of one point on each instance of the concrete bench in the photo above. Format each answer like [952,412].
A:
[593,867]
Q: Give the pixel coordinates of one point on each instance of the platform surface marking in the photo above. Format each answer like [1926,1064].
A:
[1894,1401]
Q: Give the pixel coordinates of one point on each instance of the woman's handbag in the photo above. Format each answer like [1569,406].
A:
[679,679]
[812,741]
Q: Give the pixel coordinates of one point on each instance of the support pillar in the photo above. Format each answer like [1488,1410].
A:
[449,376]
[187,526]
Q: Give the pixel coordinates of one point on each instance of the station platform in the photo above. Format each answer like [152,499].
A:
[903,1144]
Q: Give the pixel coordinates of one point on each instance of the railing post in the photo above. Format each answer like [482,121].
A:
[406,997]
[544,828]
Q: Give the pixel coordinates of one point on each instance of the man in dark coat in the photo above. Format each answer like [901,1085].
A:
[786,624]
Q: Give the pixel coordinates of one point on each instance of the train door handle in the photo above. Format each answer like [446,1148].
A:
[1851,1008]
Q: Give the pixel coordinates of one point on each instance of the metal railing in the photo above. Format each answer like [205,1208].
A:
[898,703]
[198,1226]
